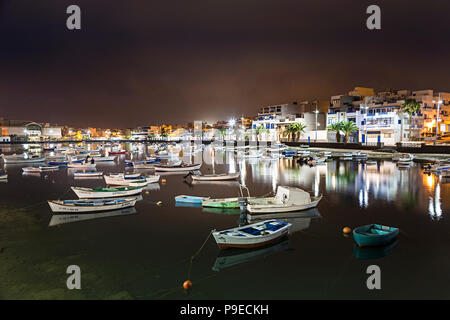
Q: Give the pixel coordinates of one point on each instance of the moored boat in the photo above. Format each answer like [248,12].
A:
[374,235]
[24,158]
[190,199]
[181,167]
[287,199]
[81,165]
[215,177]
[100,192]
[87,174]
[221,203]
[103,158]
[90,205]
[253,235]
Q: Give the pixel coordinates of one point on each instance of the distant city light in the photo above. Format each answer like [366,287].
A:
[232,122]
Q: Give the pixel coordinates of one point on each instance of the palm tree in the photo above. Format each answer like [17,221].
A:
[410,106]
[288,132]
[347,127]
[258,131]
[295,129]
[222,132]
[336,127]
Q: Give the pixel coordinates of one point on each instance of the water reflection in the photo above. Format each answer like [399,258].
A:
[58,219]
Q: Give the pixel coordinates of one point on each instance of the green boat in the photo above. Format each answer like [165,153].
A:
[374,235]
[221,203]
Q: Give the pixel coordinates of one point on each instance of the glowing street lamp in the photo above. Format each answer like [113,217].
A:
[316,112]
[439,102]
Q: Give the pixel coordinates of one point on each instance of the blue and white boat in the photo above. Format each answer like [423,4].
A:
[58,163]
[190,199]
[374,235]
[253,235]
[90,205]
[87,174]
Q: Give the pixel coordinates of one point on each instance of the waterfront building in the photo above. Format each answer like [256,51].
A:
[18,130]
[272,121]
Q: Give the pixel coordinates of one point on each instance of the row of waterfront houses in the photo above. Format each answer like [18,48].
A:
[379,118]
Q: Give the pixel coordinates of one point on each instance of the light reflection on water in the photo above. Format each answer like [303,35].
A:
[157,237]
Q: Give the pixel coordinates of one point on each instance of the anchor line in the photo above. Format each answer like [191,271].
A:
[197,253]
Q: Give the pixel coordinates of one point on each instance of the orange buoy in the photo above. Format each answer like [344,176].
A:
[159,203]
[163,180]
[187,284]
[346,230]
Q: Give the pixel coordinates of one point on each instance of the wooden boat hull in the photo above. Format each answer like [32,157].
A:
[88,193]
[82,165]
[255,209]
[59,206]
[104,159]
[363,238]
[118,152]
[229,239]
[221,203]
[216,177]
[87,174]
[17,160]
[190,199]
[182,168]
[131,182]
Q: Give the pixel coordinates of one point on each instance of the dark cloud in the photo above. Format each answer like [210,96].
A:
[142,62]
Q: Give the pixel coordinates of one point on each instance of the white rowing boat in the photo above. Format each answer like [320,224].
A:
[124,181]
[287,199]
[102,158]
[90,205]
[87,174]
[253,235]
[82,165]
[90,193]
[215,177]
[24,158]
[175,168]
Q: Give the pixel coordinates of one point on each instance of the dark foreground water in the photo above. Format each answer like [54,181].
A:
[145,253]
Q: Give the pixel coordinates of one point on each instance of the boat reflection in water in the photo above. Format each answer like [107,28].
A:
[235,256]
[58,219]
[229,211]
[188,204]
[365,253]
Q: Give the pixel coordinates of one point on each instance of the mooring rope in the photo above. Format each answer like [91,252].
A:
[197,253]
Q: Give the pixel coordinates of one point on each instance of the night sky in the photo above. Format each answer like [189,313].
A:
[151,62]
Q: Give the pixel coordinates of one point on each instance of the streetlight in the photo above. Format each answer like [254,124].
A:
[437,117]
[365,107]
[316,112]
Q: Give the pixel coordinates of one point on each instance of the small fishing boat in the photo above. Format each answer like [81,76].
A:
[215,177]
[3,176]
[221,203]
[374,235]
[118,152]
[125,175]
[58,163]
[48,168]
[404,158]
[31,169]
[100,192]
[87,174]
[90,205]
[139,181]
[181,167]
[103,158]
[190,199]
[287,199]
[253,235]
[24,158]
[82,165]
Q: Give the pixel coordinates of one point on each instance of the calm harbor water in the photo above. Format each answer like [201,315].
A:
[145,253]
